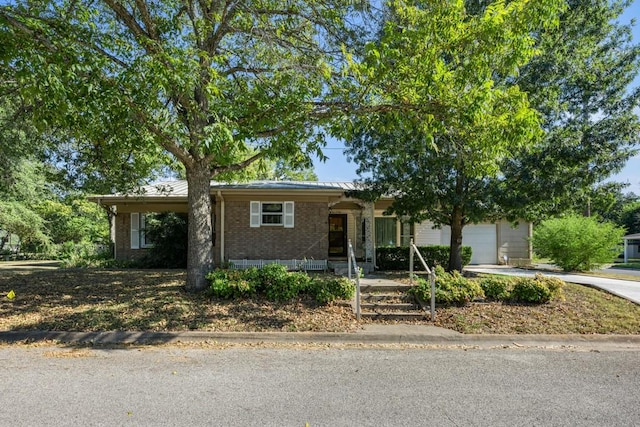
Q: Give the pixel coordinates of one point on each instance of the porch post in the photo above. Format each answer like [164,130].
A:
[369,232]
[626,248]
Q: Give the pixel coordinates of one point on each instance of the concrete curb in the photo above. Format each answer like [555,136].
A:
[360,337]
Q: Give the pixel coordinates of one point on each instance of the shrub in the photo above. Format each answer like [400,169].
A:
[168,231]
[326,290]
[397,258]
[451,288]
[228,284]
[528,290]
[496,288]
[577,243]
[274,281]
[554,285]
[287,287]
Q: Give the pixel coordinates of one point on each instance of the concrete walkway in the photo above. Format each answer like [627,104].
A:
[627,289]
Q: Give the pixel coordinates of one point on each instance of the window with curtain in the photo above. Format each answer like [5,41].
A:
[385,232]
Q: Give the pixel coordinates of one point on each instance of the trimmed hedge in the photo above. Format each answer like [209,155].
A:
[397,258]
[275,283]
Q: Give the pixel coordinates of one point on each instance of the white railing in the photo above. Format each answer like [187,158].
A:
[291,264]
[432,276]
[353,267]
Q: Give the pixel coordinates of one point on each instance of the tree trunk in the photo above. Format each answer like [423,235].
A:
[455,246]
[200,248]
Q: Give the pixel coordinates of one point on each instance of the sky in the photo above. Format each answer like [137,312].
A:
[337,168]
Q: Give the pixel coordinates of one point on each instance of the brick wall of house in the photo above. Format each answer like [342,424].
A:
[307,239]
[123,239]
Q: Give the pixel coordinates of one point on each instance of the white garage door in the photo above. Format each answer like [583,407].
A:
[483,241]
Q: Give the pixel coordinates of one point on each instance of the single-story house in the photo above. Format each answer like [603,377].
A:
[300,220]
[631,246]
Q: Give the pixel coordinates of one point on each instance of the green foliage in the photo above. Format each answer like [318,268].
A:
[630,218]
[496,288]
[213,88]
[74,220]
[581,85]
[577,243]
[232,284]
[326,290]
[441,158]
[273,280]
[451,288]
[277,284]
[17,218]
[283,287]
[272,274]
[168,233]
[84,255]
[397,258]
[537,290]
[526,290]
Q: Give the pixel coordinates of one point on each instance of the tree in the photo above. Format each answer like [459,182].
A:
[73,219]
[214,86]
[280,171]
[581,86]
[630,217]
[442,166]
[577,242]
[16,218]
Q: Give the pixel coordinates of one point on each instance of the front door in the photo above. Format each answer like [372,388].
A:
[337,235]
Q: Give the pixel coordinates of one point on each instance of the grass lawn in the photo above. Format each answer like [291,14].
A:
[153,300]
[635,265]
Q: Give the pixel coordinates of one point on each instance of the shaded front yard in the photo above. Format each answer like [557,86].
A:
[146,300]
[153,300]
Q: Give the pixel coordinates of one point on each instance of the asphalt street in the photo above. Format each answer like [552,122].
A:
[321,386]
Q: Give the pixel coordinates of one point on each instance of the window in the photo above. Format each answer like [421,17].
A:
[138,228]
[391,232]
[385,232]
[406,233]
[271,214]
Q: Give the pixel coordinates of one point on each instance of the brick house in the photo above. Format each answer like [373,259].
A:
[269,220]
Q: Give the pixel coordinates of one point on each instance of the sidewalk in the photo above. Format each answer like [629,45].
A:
[627,289]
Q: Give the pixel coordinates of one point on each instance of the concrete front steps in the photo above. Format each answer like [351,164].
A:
[384,299]
[341,268]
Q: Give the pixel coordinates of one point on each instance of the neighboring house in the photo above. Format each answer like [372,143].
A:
[300,220]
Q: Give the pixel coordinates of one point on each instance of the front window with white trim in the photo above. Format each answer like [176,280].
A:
[138,231]
[272,214]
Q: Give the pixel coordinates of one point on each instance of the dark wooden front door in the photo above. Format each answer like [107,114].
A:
[337,235]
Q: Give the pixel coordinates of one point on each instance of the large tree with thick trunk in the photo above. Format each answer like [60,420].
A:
[442,165]
[212,84]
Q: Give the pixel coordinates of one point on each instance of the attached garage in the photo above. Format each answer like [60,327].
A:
[482,238]
[490,243]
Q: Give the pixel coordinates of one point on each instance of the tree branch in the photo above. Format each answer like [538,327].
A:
[236,166]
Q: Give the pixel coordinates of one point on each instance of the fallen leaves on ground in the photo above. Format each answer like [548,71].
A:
[155,300]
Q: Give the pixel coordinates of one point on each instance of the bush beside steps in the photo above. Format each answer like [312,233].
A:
[277,284]
[455,289]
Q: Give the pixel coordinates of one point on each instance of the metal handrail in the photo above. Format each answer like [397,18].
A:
[431,273]
[356,270]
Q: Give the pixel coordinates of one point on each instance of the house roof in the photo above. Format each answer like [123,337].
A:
[177,190]
[632,236]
